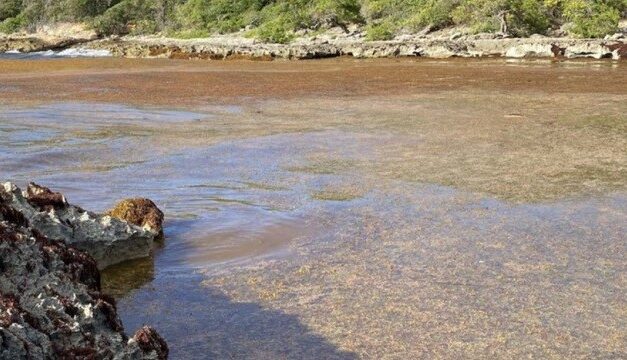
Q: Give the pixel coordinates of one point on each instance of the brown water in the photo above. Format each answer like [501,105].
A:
[342,209]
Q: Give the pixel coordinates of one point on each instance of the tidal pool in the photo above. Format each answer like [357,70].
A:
[455,218]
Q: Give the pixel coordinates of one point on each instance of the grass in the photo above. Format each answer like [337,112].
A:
[342,194]
[324,166]
[262,186]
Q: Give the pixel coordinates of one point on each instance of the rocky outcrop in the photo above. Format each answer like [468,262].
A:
[32,43]
[51,306]
[141,212]
[108,240]
[350,41]
[220,48]
[48,37]
[530,50]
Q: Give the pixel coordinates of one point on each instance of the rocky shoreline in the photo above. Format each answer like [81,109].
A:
[466,47]
[51,304]
[333,44]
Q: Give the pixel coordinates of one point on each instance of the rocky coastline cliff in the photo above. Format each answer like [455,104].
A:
[51,304]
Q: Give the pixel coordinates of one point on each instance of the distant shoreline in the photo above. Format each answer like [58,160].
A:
[235,46]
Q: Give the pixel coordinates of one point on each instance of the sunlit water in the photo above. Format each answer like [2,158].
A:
[235,207]
[95,154]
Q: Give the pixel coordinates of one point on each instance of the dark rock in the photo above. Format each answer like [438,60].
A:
[43,198]
[620,49]
[108,240]
[150,341]
[557,51]
[51,306]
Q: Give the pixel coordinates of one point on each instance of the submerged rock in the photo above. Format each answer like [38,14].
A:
[149,340]
[108,240]
[51,306]
[141,212]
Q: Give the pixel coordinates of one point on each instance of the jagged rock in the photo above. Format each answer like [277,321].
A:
[141,212]
[619,50]
[31,43]
[106,239]
[149,340]
[51,306]
[42,197]
[489,45]
[529,50]
[440,51]
[588,50]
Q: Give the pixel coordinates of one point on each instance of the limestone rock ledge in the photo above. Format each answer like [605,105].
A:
[220,48]
[108,240]
[51,306]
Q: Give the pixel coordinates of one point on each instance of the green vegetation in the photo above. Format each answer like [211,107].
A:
[341,194]
[594,18]
[387,17]
[278,20]
[10,8]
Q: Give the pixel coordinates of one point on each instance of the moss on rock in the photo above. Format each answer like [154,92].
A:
[141,212]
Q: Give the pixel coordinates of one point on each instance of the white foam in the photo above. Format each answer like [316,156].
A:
[80,52]
[47,53]
[70,53]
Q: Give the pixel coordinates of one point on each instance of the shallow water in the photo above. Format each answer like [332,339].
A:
[464,223]
[212,218]
[50,54]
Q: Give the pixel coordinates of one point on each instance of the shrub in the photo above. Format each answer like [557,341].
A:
[524,17]
[273,32]
[529,17]
[189,34]
[10,9]
[329,13]
[278,20]
[32,14]
[433,13]
[217,15]
[113,21]
[480,15]
[382,31]
[593,18]
[11,25]
[128,16]
[391,16]
[74,10]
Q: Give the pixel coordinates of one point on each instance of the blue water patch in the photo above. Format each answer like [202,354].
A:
[70,113]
